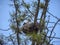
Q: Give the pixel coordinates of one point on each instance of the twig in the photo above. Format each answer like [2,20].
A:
[54,27]
[52,30]
[53,22]
[5,29]
[53,15]
[54,37]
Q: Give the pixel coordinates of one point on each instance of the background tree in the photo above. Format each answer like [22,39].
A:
[31,20]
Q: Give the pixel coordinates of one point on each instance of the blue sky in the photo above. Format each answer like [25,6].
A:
[54,8]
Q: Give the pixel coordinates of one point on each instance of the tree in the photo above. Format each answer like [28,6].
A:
[2,39]
[36,29]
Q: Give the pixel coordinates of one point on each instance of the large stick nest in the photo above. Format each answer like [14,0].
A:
[30,28]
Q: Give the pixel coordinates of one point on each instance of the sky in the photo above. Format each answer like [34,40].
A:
[4,15]
[54,8]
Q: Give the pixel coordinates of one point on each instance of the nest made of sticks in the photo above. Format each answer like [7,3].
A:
[30,28]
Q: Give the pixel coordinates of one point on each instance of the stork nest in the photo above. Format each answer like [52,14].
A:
[30,28]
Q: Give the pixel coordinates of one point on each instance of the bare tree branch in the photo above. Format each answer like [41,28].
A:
[53,15]
[5,29]
[53,23]
[16,9]
[54,37]
[53,30]
[43,16]
[36,14]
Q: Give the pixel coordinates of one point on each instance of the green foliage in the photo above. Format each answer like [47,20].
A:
[36,37]
[21,17]
[13,27]
[27,5]
[41,5]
